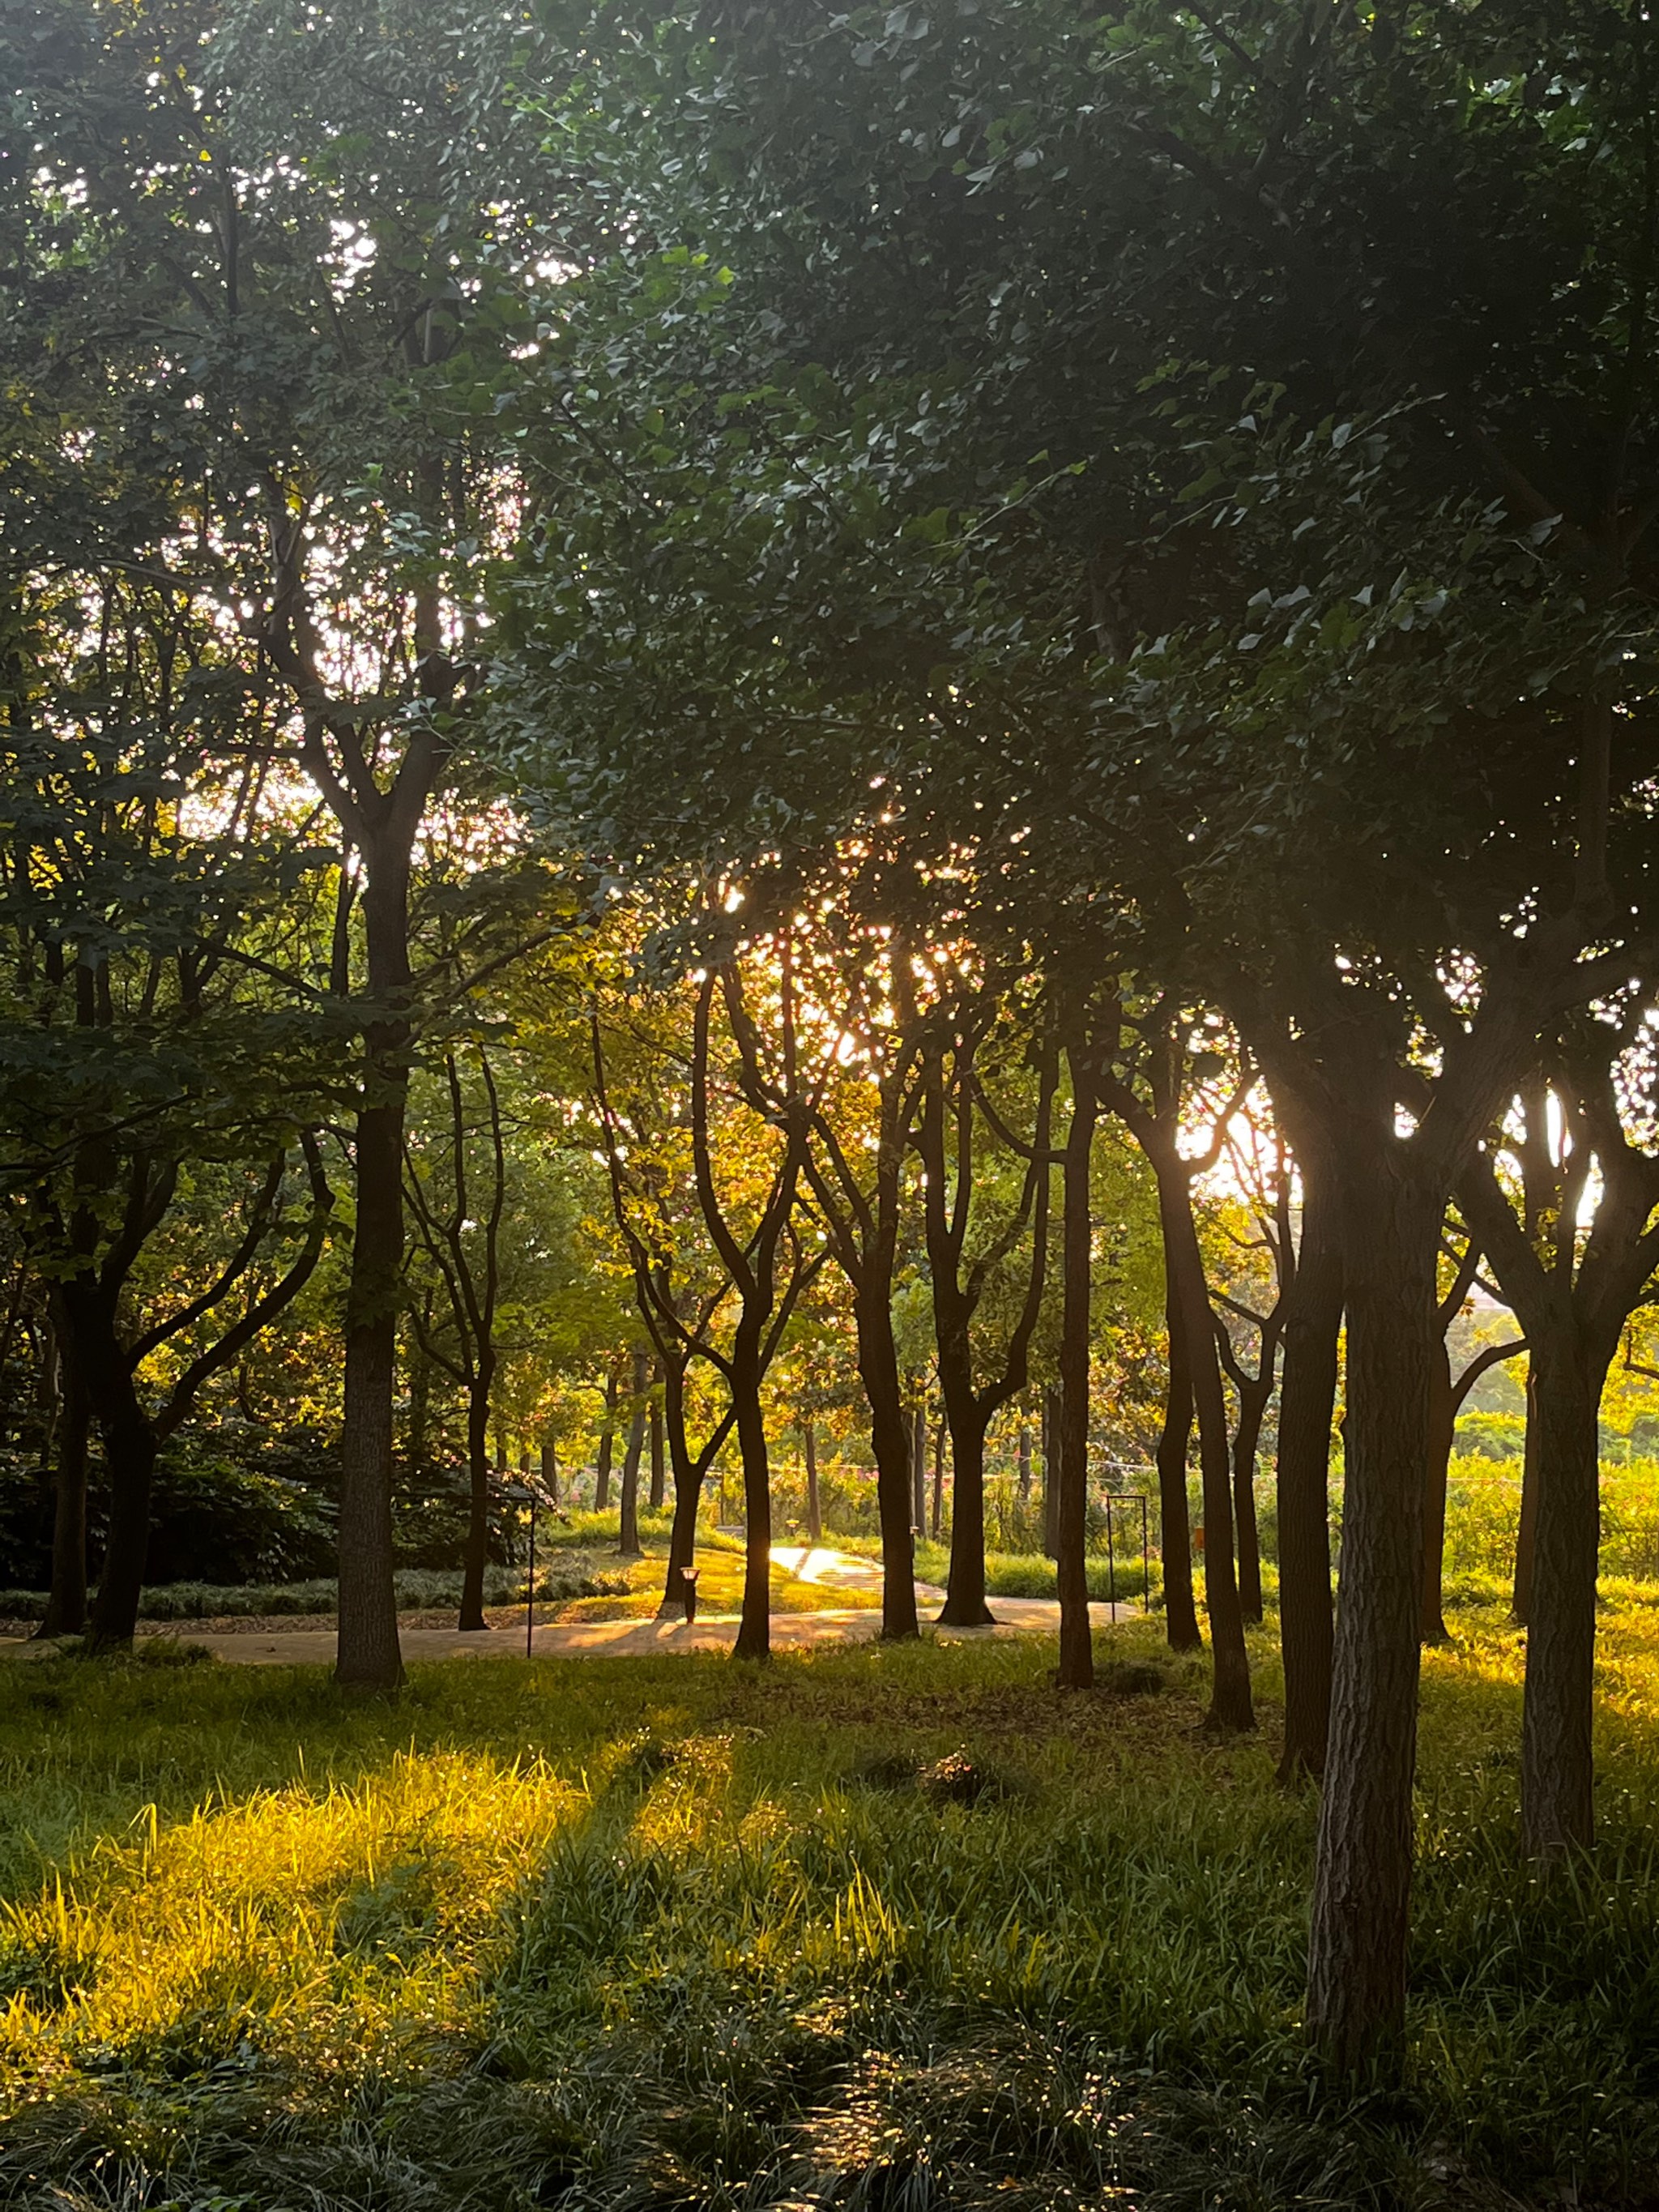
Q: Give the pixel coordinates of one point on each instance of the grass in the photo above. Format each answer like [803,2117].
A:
[1025,1574]
[675,1933]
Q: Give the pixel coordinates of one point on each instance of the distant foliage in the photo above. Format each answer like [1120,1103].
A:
[1492,1436]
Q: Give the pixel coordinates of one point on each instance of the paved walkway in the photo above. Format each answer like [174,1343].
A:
[827,1569]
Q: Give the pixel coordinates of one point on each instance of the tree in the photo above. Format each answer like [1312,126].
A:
[862,1217]
[965,1255]
[1301,631]
[273,261]
[465,1251]
[1077,1669]
[1161,1048]
[1573,1288]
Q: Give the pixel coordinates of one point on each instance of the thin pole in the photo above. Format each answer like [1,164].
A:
[1111,1560]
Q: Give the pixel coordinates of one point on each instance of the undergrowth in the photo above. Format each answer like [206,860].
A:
[895,1928]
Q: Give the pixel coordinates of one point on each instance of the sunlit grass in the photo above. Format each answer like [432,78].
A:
[719,1564]
[655,1932]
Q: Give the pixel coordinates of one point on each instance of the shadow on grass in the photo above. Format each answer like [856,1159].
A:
[643,1932]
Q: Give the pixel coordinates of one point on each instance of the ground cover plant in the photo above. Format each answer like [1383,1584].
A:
[884,1927]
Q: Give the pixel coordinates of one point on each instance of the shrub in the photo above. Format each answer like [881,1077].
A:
[420,1590]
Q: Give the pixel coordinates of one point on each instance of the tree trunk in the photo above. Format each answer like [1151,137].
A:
[919,1468]
[369,1654]
[1391,1220]
[899,1466]
[754,1628]
[1442,1429]
[551,1470]
[628,1536]
[1077,1658]
[94,1352]
[607,1445]
[809,1438]
[1022,1461]
[476,1554]
[964,1605]
[1230,1696]
[1252,1407]
[1306,1404]
[66,1605]
[658,1486]
[1557,1773]
[1175,1539]
[688,1476]
[1526,1534]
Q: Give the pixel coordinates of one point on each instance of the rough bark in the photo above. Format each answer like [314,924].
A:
[1391,1217]
[964,1605]
[1175,1539]
[128,1441]
[66,1603]
[1557,1764]
[1307,1405]
[1076,1662]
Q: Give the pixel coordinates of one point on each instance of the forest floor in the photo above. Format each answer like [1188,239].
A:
[883,1927]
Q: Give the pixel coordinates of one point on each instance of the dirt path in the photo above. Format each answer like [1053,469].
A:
[818,1565]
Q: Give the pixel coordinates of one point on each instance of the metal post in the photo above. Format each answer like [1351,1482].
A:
[1111,1560]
